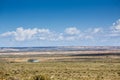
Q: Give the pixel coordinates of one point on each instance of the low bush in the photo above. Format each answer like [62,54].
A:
[40,77]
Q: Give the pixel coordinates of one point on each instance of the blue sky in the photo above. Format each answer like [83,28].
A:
[59,23]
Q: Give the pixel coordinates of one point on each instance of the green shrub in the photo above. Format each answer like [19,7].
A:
[40,77]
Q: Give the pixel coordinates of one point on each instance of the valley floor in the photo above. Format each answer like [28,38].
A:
[60,67]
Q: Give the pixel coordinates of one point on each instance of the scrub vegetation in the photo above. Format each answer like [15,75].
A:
[64,68]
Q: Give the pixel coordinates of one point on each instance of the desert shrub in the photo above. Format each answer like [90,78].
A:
[40,77]
[118,73]
[33,60]
[12,78]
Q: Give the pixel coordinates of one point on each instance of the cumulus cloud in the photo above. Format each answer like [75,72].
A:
[94,30]
[92,33]
[115,29]
[72,31]
[69,34]
[22,34]
[116,26]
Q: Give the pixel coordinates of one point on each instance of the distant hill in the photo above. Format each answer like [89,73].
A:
[59,48]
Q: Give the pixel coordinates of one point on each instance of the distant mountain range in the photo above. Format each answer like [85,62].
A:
[59,48]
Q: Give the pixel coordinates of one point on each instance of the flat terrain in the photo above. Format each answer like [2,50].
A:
[62,65]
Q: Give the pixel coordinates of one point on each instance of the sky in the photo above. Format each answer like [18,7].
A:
[32,23]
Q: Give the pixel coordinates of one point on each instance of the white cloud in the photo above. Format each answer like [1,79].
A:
[72,31]
[116,26]
[115,29]
[69,34]
[22,34]
[44,31]
[7,34]
[92,33]
[25,34]
[60,36]
[97,30]
[94,30]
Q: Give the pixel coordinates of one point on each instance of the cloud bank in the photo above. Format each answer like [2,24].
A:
[69,34]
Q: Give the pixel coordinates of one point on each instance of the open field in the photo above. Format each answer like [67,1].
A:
[71,65]
[44,56]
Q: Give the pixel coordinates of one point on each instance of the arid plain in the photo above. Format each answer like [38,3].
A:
[60,65]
